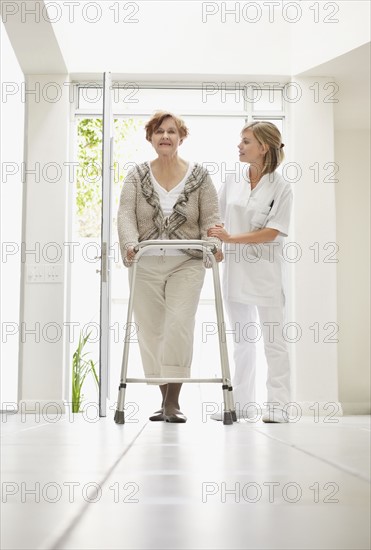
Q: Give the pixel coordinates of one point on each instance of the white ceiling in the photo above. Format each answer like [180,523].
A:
[33,39]
[172,42]
[145,37]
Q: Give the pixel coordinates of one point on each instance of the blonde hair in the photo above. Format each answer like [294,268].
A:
[158,118]
[268,134]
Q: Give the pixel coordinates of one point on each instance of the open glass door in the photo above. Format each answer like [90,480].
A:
[105,273]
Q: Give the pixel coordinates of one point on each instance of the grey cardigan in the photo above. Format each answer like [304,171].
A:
[140,216]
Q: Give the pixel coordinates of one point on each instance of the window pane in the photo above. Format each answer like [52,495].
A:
[276,121]
[131,99]
[91,98]
[212,97]
[213,142]
[267,100]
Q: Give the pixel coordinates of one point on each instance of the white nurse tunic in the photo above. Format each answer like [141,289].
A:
[253,282]
[254,273]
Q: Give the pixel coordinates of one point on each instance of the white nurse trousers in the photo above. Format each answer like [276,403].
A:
[249,323]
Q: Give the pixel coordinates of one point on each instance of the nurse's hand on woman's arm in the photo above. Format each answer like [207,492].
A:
[219,232]
[260,236]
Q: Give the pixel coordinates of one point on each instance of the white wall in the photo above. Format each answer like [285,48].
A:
[42,360]
[328,31]
[12,137]
[352,153]
[314,284]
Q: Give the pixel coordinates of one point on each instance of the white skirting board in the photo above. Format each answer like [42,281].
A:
[316,409]
[350,408]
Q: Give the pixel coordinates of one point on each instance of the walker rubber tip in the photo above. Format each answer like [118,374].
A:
[227,419]
[120,417]
[234,416]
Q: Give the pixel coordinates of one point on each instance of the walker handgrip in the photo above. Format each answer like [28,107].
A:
[173,244]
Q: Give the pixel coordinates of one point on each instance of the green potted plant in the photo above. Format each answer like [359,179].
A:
[81,367]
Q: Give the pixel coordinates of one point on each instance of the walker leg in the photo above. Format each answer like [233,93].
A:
[231,403]
[229,411]
[120,417]
[120,413]
[227,415]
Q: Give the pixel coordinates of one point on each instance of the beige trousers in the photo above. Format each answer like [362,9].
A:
[167,292]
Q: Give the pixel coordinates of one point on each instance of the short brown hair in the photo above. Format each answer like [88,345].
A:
[267,133]
[158,118]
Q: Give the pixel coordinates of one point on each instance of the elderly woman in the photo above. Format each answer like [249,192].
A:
[167,198]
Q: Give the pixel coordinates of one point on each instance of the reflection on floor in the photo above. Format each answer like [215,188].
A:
[80,482]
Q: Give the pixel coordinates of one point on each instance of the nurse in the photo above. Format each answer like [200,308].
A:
[255,207]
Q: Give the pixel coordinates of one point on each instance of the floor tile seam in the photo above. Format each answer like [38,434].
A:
[55,542]
[341,467]
[25,430]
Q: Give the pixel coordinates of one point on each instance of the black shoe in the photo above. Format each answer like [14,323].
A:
[157,417]
[175,418]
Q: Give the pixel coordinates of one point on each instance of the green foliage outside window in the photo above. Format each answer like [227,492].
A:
[89,180]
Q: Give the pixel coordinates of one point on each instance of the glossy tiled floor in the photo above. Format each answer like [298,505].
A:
[80,482]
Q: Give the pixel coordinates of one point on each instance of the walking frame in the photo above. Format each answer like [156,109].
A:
[208,248]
